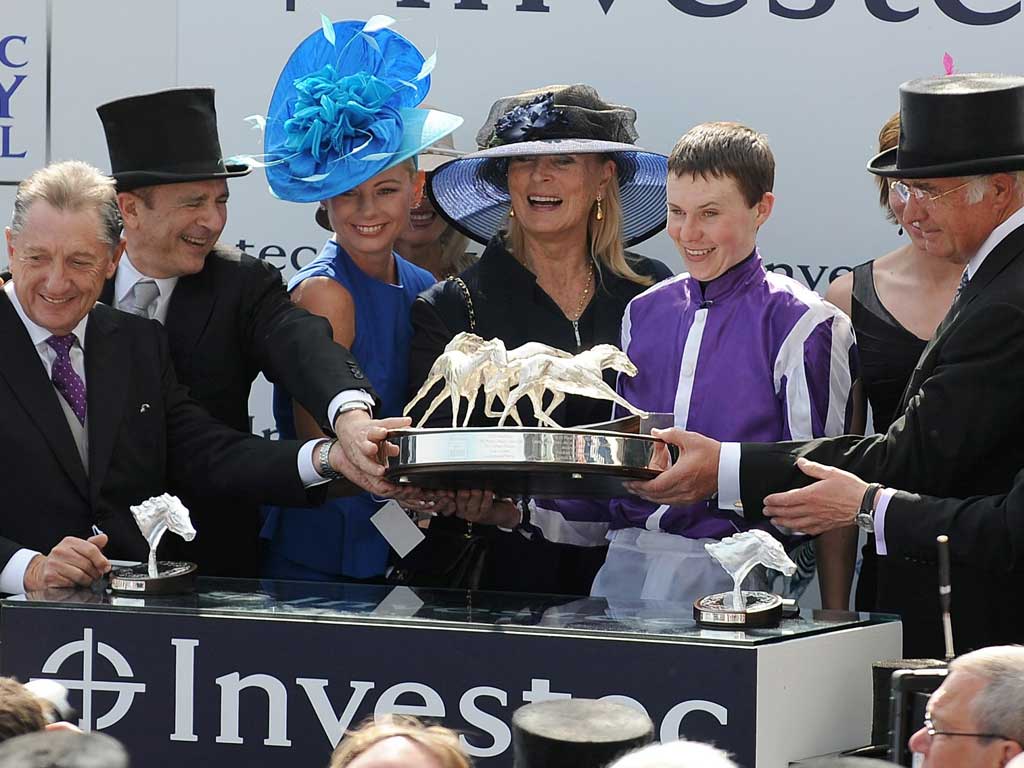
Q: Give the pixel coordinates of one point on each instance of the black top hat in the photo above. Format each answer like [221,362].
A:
[576,732]
[957,125]
[165,137]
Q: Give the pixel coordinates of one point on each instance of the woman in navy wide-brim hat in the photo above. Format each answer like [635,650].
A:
[343,131]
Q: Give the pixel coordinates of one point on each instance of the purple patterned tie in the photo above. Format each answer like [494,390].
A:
[65,380]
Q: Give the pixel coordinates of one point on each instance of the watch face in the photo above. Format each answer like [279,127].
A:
[865,522]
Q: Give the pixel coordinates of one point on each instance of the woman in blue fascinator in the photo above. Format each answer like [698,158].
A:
[343,131]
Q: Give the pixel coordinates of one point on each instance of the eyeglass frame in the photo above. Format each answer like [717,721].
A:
[929,728]
[919,194]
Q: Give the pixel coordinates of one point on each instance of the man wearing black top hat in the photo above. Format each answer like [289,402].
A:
[959,164]
[227,315]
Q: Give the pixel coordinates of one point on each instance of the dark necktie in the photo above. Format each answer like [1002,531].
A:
[65,380]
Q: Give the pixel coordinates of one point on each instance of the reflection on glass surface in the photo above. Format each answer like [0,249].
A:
[368,604]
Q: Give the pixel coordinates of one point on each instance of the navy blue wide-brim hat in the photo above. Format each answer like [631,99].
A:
[957,125]
[344,110]
[471,192]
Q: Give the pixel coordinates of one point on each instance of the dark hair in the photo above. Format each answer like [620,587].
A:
[726,149]
[20,711]
[888,138]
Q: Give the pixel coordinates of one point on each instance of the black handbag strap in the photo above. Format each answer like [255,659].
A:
[468,298]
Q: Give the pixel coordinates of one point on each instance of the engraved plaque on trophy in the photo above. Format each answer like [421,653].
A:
[155,517]
[743,609]
[546,460]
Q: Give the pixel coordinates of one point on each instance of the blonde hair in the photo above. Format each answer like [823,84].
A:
[442,743]
[454,259]
[605,237]
[70,186]
[888,137]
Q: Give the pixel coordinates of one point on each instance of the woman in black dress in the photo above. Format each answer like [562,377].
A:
[895,303]
[557,194]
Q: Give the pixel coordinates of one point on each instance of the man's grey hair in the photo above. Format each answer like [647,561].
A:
[676,754]
[977,186]
[999,707]
[73,186]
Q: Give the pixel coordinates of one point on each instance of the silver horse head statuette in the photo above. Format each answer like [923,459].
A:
[739,553]
[157,515]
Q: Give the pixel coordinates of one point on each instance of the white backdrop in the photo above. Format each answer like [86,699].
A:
[819,87]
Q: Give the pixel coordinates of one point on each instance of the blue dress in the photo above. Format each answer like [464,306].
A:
[338,540]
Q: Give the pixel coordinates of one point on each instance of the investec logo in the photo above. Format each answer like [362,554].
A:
[88,684]
[334,724]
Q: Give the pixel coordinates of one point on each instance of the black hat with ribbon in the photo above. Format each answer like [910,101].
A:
[165,137]
[957,125]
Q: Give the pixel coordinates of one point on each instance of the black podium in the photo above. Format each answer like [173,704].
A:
[272,673]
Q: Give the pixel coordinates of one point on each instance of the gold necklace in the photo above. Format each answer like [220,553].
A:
[581,305]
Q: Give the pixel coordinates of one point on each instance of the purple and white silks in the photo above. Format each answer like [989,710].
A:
[756,357]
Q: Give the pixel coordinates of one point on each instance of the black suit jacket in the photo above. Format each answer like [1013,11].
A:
[145,436]
[961,434]
[225,325]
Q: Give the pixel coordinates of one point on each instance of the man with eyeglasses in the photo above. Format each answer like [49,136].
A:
[960,163]
[976,717]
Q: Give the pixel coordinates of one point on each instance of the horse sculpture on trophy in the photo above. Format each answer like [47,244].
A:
[542,459]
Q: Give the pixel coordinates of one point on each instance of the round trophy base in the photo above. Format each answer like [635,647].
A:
[174,578]
[762,610]
[520,461]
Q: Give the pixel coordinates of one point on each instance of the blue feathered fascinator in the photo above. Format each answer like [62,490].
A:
[344,109]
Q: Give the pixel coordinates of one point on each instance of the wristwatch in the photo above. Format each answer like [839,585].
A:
[865,518]
[323,461]
[354,405]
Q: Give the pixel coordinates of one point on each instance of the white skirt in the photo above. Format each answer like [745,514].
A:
[654,565]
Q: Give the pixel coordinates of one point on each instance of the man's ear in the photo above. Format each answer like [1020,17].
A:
[764,207]
[128,204]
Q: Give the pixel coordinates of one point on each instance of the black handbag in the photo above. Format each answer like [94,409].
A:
[454,554]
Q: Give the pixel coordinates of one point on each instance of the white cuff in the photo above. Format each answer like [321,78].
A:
[729,496]
[882,504]
[344,398]
[12,577]
[307,469]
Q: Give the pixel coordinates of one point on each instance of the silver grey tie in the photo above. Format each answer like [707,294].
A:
[141,300]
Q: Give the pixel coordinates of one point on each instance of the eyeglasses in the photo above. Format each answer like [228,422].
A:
[904,191]
[929,728]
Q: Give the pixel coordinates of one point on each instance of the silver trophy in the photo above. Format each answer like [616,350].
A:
[155,517]
[547,460]
[741,609]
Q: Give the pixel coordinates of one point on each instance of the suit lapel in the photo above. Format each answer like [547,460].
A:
[26,376]
[107,373]
[190,310]
[1004,254]
[107,294]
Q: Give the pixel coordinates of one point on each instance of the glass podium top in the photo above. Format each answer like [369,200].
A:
[650,620]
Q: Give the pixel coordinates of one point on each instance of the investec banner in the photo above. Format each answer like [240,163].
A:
[23,84]
[819,77]
[185,690]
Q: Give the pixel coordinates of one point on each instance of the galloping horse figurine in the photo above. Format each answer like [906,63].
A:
[160,514]
[576,375]
[500,381]
[466,359]
[739,553]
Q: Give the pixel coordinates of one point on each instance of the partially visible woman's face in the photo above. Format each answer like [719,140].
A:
[553,195]
[371,217]
[396,752]
[425,225]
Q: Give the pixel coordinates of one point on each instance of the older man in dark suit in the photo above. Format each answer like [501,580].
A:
[959,164]
[227,315]
[94,419]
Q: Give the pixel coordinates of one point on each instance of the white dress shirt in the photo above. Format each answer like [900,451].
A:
[729,459]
